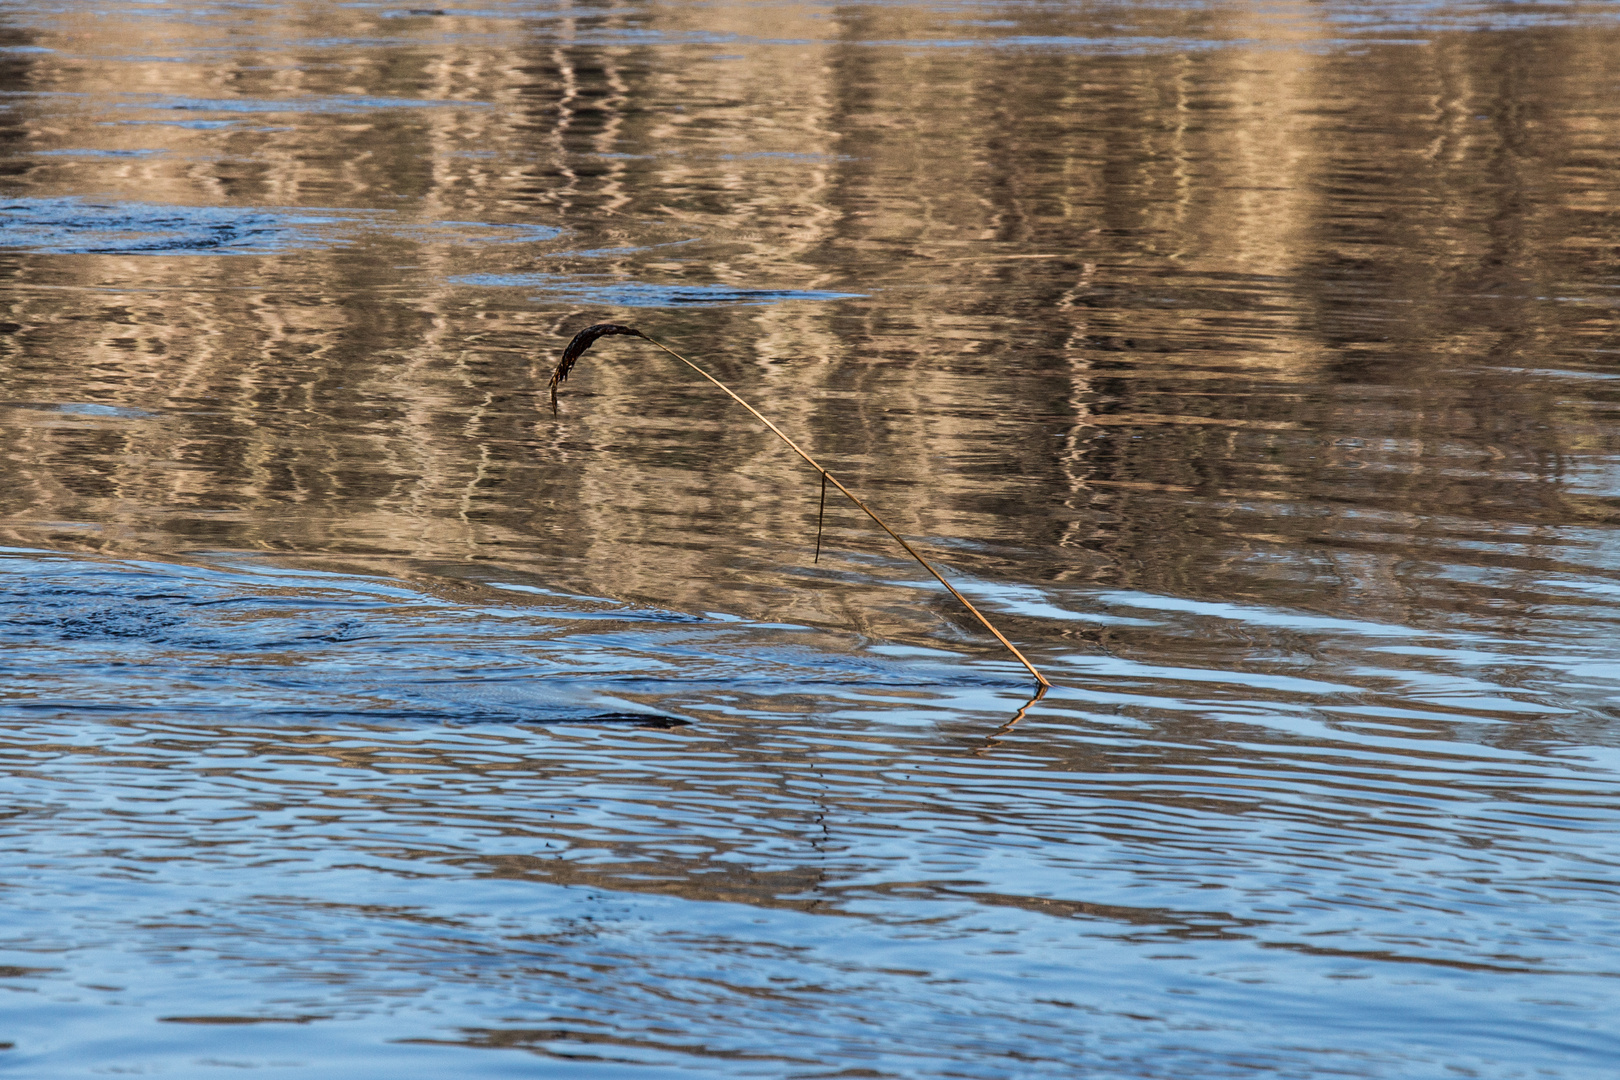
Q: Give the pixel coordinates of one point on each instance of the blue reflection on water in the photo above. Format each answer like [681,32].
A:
[243,833]
[643,294]
[123,412]
[76,226]
[71,226]
[90,152]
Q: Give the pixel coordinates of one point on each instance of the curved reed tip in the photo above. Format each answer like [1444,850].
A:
[577,348]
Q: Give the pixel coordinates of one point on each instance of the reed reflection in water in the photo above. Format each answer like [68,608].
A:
[1252,366]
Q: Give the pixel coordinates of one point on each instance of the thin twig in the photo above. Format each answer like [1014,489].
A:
[588,337]
[821,516]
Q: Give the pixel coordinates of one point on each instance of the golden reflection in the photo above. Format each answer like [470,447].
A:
[1112,304]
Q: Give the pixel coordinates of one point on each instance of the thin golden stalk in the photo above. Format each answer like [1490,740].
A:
[589,336]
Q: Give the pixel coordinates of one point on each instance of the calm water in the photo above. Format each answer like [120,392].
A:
[1255,366]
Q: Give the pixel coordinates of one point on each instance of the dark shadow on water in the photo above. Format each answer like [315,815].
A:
[646,720]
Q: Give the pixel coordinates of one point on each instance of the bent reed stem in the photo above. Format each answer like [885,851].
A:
[588,337]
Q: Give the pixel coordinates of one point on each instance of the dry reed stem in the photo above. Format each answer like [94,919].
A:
[591,334]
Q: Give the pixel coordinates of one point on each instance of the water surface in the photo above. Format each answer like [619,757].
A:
[1254,366]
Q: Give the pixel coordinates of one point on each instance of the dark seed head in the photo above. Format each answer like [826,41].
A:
[577,347]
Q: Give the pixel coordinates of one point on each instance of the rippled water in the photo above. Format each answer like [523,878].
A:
[1253,366]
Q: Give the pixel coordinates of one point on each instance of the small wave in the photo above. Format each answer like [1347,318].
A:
[644,294]
[312,104]
[89,152]
[77,226]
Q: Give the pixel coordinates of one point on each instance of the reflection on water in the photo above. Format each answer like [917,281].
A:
[604,289]
[1252,365]
[82,227]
